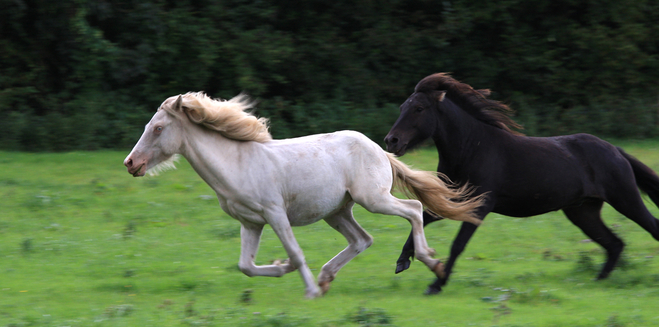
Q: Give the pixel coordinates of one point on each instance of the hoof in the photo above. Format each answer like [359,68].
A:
[439,270]
[324,287]
[402,266]
[602,276]
[432,291]
[313,294]
[324,283]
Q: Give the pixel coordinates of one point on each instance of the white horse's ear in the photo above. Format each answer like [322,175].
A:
[441,96]
[178,104]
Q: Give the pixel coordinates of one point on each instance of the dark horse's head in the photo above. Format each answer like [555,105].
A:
[421,112]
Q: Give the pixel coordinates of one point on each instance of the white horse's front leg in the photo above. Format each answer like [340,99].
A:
[278,220]
[250,235]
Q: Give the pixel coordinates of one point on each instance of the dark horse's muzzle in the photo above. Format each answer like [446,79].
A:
[394,144]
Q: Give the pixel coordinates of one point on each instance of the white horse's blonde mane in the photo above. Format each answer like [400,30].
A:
[228,117]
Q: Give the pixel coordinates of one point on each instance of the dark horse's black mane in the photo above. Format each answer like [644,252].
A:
[472,101]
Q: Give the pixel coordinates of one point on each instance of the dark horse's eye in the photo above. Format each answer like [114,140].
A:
[419,109]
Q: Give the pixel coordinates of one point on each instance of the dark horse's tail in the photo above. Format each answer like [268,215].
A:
[646,179]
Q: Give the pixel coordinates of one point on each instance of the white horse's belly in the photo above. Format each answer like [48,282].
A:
[307,209]
[241,212]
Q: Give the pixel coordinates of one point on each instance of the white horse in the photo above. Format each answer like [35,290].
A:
[291,182]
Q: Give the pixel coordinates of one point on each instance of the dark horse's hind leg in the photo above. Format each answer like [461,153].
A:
[587,217]
[408,249]
[631,205]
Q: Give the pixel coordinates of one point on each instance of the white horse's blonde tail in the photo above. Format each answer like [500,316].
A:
[450,202]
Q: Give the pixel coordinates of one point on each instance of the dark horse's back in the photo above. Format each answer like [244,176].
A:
[542,174]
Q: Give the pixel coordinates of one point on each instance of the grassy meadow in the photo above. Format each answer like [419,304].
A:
[83,243]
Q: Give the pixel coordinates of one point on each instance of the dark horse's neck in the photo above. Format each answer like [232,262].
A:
[461,140]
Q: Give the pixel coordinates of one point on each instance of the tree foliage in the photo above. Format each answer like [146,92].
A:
[88,74]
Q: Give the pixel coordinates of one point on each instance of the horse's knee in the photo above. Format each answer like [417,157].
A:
[615,248]
[620,245]
[247,268]
[362,243]
[366,242]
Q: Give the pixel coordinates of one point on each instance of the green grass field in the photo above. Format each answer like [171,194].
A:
[83,243]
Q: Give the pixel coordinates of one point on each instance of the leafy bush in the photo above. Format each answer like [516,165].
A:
[88,74]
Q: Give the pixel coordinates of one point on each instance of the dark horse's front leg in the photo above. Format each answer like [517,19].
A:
[407,254]
[467,230]
[465,233]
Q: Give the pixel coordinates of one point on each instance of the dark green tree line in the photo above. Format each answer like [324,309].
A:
[88,74]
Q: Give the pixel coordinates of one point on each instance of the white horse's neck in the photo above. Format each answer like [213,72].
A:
[215,158]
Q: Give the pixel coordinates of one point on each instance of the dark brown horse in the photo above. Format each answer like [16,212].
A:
[520,176]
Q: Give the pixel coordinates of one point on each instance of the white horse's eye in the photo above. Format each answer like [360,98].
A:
[158,129]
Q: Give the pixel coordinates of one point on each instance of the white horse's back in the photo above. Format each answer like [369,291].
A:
[320,170]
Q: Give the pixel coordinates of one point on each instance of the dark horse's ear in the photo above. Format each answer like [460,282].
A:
[178,104]
[484,92]
[441,95]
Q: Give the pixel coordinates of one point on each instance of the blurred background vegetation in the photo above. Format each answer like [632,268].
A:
[88,74]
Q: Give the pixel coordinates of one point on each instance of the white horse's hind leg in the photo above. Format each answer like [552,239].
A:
[412,210]
[250,235]
[282,227]
[358,241]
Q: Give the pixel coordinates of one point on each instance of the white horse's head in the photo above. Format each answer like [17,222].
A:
[161,141]
[164,134]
